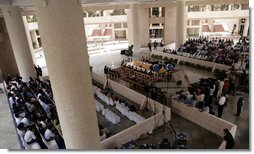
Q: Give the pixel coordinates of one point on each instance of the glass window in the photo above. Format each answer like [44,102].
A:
[155,11]
[124,25]
[117,25]
[157,24]
[235,6]
[224,7]
[202,8]
[195,22]
[118,12]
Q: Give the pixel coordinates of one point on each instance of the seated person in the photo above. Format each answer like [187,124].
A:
[49,135]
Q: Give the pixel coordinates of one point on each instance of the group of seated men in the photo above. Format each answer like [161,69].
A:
[34,113]
[215,50]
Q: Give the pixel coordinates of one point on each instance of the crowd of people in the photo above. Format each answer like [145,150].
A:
[34,112]
[111,73]
[223,51]
[209,92]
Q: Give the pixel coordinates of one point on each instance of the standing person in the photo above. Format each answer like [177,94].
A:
[210,98]
[39,70]
[236,84]
[150,45]
[226,87]
[239,105]
[221,105]
[220,88]
[162,44]
[229,139]
[155,45]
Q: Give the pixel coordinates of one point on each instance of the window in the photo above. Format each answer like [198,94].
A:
[224,7]
[117,25]
[235,6]
[192,8]
[118,12]
[157,24]
[155,11]
[124,25]
[195,22]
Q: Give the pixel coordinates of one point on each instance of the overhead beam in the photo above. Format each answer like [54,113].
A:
[212,2]
[109,6]
[157,4]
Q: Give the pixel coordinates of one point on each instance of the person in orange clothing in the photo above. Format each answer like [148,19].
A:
[226,86]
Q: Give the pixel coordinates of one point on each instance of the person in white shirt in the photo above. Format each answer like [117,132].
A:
[30,139]
[26,120]
[17,119]
[49,135]
[221,105]
[220,88]
[21,130]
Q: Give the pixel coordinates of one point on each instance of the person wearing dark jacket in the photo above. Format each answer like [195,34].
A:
[229,139]
[239,106]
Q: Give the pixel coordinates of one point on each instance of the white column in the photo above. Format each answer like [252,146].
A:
[64,45]
[200,28]
[181,22]
[144,26]
[135,27]
[170,25]
[29,39]
[129,27]
[246,27]
[19,41]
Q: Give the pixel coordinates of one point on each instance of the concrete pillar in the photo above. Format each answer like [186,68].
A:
[135,27]
[144,26]
[129,27]
[64,45]
[7,60]
[181,22]
[29,39]
[246,27]
[170,25]
[19,41]
[200,28]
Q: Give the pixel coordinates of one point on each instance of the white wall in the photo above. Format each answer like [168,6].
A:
[108,19]
[230,22]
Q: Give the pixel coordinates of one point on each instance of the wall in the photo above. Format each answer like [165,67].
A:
[133,132]
[162,114]
[107,19]
[205,120]
[230,23]
[136,97]
[126,92]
